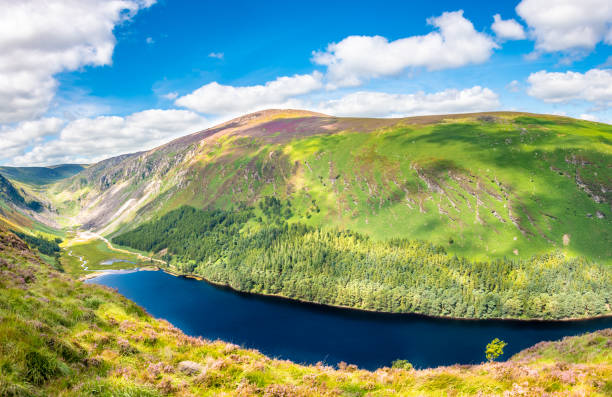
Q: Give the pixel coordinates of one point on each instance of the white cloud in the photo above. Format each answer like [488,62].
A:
[218,55]
[589,117]
[150,40]
[594,86]
[15,140]
[514,86]
[40,38]
[558,113]
[92,139]
[507,29]
[567,25]
[381,104]
[455,43]
[214,98]
[170,96]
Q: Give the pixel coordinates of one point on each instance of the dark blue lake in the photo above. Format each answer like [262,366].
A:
[308,333]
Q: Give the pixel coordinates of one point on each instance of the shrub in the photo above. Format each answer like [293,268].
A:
[125,348]
[401,364]
[68,352]
[39,367]
[12,389]
[93,302]
[495,349]
[256,378]
[134,309]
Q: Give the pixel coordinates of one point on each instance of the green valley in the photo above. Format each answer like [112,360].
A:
[488,215]
[474,216]
[304,199]
[61,337]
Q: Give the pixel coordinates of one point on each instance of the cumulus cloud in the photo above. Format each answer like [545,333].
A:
[218,55]
[92,139]
[15,140]
[567,25]
[381,104]
[594,86]
[214,98]
[507,29]
[40,38]
[454,43]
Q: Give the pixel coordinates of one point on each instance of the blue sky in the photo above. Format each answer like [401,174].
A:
[87,79]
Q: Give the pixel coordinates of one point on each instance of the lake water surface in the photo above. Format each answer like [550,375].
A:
[307,333]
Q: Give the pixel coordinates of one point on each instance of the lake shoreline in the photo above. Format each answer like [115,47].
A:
[309,333]
[341,307]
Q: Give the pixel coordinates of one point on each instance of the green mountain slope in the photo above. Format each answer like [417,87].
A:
[481,185]
[41,175]
[255,250]
[26,209]
[10,195]
[60,337]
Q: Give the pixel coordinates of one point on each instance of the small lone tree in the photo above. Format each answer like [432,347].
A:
[401,364]
[495,349]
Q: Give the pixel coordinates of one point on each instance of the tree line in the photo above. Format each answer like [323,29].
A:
[252,249]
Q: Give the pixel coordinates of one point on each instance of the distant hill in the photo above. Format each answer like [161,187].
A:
[41,175]
[483,185]
[11,195]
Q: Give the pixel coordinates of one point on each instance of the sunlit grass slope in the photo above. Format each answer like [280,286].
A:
[61,337]
[481,185]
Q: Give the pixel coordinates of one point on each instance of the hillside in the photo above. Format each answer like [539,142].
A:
[256,250]
[484,186]
[26,208]
[9,195]
[59,336]
[489,215]
[41,175]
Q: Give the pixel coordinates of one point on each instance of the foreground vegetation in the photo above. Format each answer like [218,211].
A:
[61,337]
[256,250]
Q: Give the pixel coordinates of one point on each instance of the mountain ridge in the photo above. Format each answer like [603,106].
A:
[260,148]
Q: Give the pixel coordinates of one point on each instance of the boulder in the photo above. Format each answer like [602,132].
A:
[190,367]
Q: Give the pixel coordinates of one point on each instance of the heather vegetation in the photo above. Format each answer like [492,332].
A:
[255,249]
[60,337]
